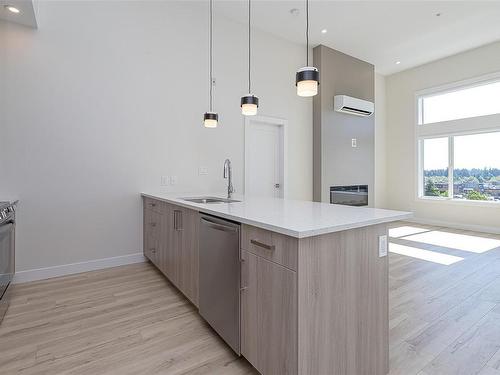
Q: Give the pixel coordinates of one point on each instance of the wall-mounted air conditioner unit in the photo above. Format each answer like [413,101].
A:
[353,106]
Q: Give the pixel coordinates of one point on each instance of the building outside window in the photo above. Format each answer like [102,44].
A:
[458,135]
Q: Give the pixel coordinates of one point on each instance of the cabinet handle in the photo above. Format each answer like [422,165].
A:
[178,220]
[152,224]
[263,245]
[152,204]
[153,250]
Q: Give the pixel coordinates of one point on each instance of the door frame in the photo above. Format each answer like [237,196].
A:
[272,121]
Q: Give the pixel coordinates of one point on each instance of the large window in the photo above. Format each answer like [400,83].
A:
[470,172]
[459,143]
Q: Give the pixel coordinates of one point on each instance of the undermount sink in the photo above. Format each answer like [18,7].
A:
[209,200]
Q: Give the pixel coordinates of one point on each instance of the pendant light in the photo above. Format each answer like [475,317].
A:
[249,103]
[210,118]
[307,78]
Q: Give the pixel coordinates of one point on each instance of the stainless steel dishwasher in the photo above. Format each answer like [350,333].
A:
[220,277]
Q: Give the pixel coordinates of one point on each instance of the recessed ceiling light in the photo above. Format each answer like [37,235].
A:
[324,31]
[294,12]
[398,62]
[12,9]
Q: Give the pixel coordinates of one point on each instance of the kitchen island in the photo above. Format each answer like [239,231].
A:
[314,278]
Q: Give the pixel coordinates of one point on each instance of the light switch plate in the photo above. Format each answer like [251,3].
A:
[354,143]
[382,246]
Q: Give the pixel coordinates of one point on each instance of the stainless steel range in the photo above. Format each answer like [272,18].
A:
[7,256]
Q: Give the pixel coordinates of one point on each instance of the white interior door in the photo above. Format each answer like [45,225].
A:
[264,156]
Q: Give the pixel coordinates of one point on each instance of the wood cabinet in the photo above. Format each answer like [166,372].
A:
[168,253]
[171,244]
[249,318]
[186,232]
[317,305]
[152,226]
[269,315]
[272,246]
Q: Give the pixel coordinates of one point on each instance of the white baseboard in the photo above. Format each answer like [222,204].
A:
[69,269]
[472,227]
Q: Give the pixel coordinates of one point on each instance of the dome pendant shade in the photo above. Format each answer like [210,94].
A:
[210,119]
[249,105]
[307,81]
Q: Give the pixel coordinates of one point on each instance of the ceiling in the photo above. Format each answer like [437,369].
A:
[380,32]
[25,17]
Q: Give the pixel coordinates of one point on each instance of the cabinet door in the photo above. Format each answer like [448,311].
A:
[186,225]
[249,321]
[268,315]
[168,244]
[171,243]
[277,318]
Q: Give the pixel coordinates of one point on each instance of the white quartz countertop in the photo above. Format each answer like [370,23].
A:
[290,217]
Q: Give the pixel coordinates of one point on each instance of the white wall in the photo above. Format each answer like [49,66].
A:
[380,194]
[106,97]
[401,142]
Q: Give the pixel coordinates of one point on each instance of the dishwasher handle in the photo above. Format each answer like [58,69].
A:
[218,226]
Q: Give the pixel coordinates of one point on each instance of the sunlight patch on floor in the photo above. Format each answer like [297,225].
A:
[405,231]
[473,244]
[430,256]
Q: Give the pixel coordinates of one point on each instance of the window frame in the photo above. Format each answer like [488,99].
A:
[450,129]
[453,87]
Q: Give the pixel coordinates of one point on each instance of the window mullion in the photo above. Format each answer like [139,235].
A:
[451,165]
[421,183]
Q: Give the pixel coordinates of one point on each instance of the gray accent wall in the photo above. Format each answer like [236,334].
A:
[335,161]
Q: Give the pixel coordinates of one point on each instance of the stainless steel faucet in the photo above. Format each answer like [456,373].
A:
[229,175]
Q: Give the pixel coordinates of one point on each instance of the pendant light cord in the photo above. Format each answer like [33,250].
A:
[210,55]
[249,49]
[307,32]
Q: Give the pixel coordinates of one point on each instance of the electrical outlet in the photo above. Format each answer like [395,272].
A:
[202,171]
[382,246]
[164,181]
[173,180]
[354,143]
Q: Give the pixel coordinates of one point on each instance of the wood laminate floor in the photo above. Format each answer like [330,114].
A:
[444,301]
[444,316]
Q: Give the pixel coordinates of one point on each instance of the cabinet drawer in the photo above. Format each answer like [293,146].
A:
[152,224]
[152,250]
[153,205]
[273,246]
